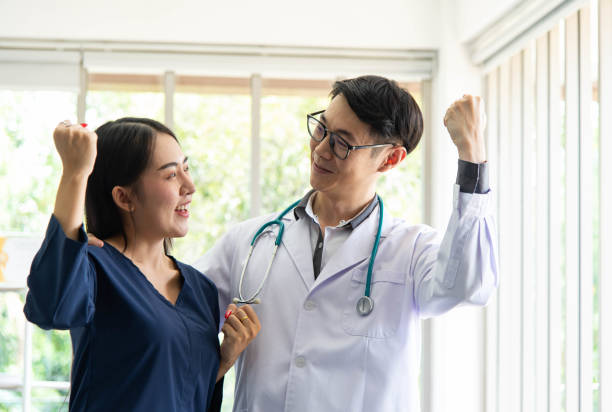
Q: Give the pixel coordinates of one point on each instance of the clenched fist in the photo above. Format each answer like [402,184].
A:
[77,148]
[465,120]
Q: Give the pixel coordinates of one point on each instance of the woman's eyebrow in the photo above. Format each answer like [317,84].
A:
[172,164]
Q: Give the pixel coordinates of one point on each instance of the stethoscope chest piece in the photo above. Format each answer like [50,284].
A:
[365,304]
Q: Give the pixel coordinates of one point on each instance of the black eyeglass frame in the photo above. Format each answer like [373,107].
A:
[333,136]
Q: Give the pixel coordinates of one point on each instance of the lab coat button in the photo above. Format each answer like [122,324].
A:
[300,362]
[310,305]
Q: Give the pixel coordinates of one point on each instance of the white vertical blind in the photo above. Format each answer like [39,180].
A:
[605,204]
[507,339]
[555,230]
[491,381]
[585,216]
[541,107]
[515,213]
[528,321]
[542,213]
[572,224]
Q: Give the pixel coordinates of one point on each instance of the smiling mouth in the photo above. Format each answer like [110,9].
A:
[320,169]
[183,210]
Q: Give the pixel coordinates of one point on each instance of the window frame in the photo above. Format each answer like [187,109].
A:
[170,83]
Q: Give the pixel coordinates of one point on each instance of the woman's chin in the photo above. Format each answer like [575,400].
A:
[180,233]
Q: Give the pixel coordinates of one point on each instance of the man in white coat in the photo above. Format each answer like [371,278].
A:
[320,348]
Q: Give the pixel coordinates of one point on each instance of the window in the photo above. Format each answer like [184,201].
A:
[29,171]
[213,120]
[285,143]
[401,189]
[110,97]
[214,132]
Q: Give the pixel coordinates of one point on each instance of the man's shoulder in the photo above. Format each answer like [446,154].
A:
[400,227]
[253,222]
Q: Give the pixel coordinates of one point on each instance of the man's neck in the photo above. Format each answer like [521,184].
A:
[330,210]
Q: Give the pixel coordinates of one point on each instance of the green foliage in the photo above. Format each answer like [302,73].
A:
[51,355]
[285,149]
[29,172]
[9,337]
[29,167]
[10,401]
[49,400]
[214,131]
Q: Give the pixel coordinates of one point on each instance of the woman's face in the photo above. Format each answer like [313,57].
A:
[163,192]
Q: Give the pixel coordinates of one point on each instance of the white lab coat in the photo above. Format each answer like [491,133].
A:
[315,353]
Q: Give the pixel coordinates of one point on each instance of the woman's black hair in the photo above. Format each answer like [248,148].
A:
[125,147]
[390,111]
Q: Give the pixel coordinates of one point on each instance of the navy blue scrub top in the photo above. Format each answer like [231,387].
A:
[133,349]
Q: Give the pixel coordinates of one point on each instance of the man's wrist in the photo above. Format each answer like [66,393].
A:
[472,156]
[472,177]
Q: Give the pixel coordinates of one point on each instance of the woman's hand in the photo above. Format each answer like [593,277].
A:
[240,328]
[77,148]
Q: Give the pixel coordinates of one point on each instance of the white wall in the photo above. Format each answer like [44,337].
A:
[342,23]
[360,23]
[456,339]
[472,16]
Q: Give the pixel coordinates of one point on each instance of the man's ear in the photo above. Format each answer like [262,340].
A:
[393,158]
[122,197]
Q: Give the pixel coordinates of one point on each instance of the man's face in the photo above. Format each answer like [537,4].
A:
[341,178]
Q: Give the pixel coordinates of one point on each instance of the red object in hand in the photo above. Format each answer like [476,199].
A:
[228,313]
[84,124]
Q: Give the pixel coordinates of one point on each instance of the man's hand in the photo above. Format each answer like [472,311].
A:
[240,328]
[94,241]
[465,120]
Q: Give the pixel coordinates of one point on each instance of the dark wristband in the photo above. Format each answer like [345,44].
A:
[473,177]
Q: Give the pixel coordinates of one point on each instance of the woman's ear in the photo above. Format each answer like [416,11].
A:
[393,158]
[123,198]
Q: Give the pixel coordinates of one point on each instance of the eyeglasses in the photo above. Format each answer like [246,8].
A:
[339,146]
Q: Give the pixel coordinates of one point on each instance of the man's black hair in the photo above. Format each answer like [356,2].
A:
[391,112]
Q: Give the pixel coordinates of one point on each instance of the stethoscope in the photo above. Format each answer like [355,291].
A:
[365,304]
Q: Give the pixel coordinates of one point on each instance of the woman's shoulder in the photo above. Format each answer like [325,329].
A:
[105,254]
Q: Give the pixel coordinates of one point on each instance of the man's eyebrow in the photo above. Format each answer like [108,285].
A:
[172,164]
[343,132]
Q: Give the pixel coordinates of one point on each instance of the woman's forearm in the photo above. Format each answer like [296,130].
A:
[70,202]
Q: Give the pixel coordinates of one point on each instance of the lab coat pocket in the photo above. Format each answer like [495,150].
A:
[387,291]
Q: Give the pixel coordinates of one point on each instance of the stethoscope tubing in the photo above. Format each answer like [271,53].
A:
[281,228]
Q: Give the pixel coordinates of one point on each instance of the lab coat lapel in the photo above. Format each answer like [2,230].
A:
[296,240]
[357,247]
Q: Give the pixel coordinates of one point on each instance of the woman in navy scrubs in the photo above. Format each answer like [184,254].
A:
[143,325]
